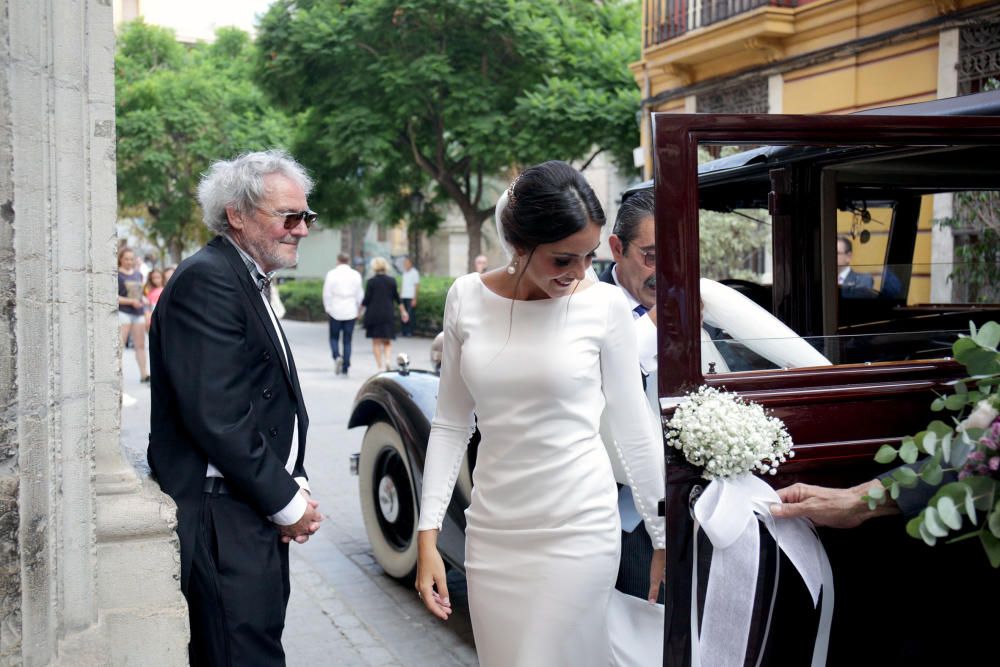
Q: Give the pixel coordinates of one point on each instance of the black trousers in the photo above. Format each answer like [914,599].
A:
[633,570]
[407,327]
[239,587]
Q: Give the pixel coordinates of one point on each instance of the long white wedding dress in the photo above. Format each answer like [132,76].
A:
[542,535]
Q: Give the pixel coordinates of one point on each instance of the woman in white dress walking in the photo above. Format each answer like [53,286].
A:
[536,352]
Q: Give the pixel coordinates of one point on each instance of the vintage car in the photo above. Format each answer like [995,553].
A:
[881,178]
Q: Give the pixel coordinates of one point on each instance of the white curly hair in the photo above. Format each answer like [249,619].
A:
[240,183]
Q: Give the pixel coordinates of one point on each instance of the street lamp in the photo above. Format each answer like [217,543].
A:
[416,203]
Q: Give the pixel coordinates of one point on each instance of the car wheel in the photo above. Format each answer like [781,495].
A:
[388,501]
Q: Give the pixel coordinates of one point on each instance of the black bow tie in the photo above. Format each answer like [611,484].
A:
[262,281]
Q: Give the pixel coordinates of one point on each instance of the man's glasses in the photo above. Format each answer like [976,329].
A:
[293,218]
[648,257]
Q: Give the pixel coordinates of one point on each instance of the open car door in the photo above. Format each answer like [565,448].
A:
[880,182]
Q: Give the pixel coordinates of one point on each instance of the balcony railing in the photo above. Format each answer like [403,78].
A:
[667,19]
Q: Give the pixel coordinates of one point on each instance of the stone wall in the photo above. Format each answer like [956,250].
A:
[88,557]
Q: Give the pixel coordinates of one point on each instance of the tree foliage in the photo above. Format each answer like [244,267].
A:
[976,224]
[731,242]
[399,94]
[178,109]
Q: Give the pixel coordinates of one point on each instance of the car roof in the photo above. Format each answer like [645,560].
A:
[978,104]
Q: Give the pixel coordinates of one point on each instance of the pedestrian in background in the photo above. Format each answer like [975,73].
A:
[342,297]
[379,319]
[411,287]
[480,263]
[151,290]
[131,318]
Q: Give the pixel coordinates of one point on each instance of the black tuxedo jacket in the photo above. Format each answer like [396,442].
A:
[221,392]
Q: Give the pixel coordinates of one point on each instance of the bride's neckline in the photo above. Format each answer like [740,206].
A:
[584,286]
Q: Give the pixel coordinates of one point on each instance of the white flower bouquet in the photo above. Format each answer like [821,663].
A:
[731,438]
[727,435]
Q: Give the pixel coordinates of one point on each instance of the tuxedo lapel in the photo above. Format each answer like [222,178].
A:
[293,373]
[257,305]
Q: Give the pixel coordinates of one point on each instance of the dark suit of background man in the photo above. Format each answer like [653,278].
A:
[228,423]
[633,247]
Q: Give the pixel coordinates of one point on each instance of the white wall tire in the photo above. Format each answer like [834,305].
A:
[388,501]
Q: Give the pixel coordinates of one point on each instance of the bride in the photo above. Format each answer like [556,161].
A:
[536,352]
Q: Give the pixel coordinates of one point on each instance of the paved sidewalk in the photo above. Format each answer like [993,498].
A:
[343,610]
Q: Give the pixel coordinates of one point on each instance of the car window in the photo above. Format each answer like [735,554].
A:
[884,254]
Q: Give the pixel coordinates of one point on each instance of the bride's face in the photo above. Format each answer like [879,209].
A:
[555,268]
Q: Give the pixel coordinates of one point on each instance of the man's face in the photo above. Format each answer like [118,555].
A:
[633,274]
[843,256]
[262,234]
[480,263]
[407,264]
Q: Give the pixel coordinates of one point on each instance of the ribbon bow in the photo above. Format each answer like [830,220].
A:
[726,511]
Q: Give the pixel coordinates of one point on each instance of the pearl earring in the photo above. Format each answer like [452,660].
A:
[512,267]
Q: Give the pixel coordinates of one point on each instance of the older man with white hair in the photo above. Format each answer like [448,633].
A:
[228,422]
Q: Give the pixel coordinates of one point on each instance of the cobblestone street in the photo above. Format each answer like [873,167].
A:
[343,610]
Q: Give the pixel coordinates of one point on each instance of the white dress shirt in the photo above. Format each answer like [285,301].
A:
[342,293]
[296,507]
[411,278]
[645,330]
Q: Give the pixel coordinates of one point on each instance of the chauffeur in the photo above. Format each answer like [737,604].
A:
[228,423]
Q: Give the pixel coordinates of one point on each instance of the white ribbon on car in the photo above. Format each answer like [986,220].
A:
[726,511]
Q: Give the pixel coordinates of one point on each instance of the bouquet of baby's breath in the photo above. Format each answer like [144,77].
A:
[962,453]
[727,435]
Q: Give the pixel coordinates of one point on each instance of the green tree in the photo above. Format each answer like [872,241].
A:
[177,110]
[976,225]
[396,94]
[731,241]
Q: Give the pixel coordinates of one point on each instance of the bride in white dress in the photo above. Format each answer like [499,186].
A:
[535,352]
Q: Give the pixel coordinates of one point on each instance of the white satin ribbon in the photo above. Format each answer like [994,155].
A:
[726,511]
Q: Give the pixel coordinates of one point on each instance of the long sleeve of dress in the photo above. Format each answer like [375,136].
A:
[453,424]
[638,445]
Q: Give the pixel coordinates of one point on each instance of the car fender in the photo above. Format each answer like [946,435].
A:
[407,400]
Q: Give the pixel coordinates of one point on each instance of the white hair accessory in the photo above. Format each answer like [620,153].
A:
[501,205]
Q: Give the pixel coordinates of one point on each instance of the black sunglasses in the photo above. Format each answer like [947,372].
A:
[293,218]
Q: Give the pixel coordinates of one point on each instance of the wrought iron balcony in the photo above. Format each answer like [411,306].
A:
[664,20]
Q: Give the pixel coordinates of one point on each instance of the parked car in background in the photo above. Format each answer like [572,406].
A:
[881,179]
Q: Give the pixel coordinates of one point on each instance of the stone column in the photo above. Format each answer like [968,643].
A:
[942,238]
[88,560]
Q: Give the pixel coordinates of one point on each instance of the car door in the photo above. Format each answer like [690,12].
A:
[888,348]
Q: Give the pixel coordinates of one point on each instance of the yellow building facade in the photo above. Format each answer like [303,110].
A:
[818,57]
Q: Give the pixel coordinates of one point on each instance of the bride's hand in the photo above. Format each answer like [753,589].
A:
[431,585]
[657,572]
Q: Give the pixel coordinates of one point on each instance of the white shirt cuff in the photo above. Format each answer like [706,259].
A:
[291,512]
[304,484]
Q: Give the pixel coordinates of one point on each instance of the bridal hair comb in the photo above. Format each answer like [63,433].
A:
[510,190]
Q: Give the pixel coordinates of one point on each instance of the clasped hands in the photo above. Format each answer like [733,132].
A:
[305,526]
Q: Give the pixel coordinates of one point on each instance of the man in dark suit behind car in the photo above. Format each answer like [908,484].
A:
[853,285]
[228,422]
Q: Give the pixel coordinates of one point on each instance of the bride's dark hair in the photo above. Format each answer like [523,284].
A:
[547,203]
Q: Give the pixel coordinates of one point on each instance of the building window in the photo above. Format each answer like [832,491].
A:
[737,97]
[978,57]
